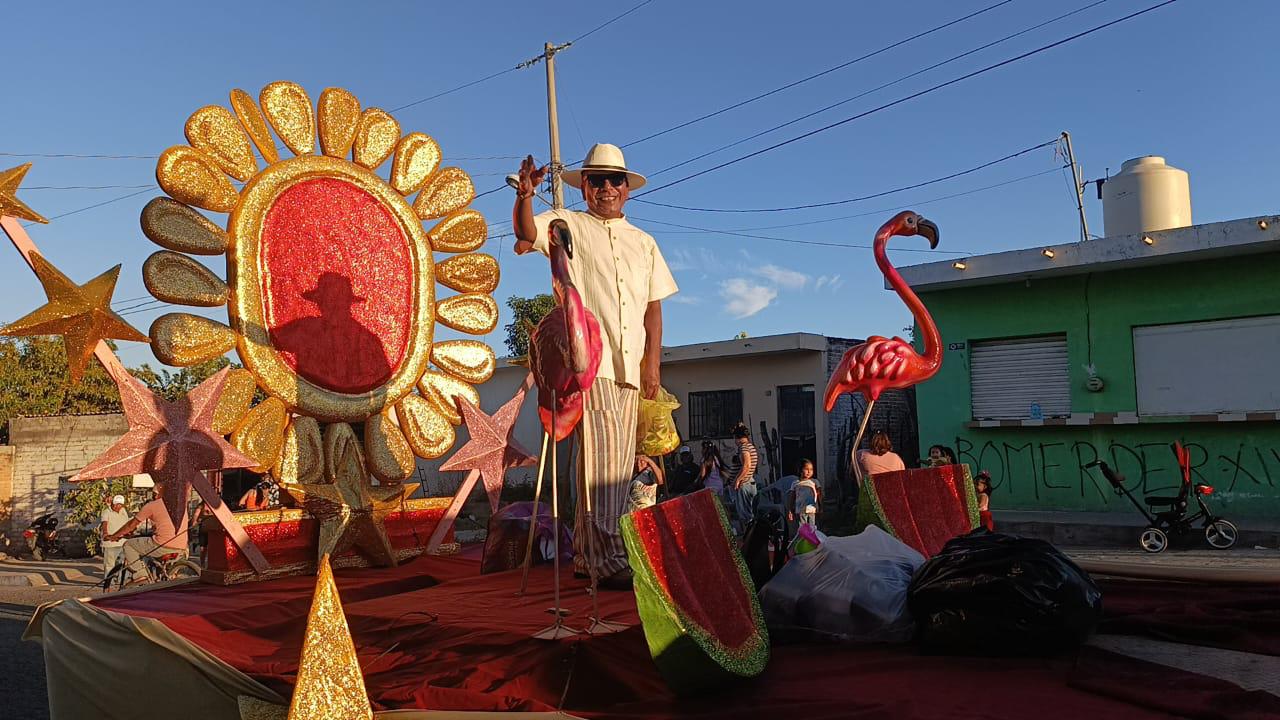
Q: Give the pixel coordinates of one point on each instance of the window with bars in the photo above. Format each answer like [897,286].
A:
[713,413]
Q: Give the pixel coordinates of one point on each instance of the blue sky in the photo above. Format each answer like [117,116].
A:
[1192,81]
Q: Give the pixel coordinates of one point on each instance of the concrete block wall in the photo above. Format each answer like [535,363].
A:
[894,413]
[46,449]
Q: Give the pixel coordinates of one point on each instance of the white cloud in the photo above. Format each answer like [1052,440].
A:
[680,259]
[684,299]
[831,282]
[743,298]
[783,277]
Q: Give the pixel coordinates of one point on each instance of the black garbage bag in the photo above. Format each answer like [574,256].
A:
[989,593]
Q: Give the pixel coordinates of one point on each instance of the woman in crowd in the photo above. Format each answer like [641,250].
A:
[711,474]
[880,458]
[740,483]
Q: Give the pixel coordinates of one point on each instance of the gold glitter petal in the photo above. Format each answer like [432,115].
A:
[251,118]
[288,109]
[302,457]
[343,458]
[460,232]
[473,272]
[214,131]
[261,435]
[189,176]
[469,360]
[339,115]
[428,431]
[449,190]
[441,390]
[329,682]
[375,137]
[182,339]
[417,156]
[176,278]
[170,224]
[388,453]
[233,404]
[473,313]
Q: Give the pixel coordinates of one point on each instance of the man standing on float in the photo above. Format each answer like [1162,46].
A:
[623,279]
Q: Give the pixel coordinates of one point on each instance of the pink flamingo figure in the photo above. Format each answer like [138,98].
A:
[565,348]
[881,363]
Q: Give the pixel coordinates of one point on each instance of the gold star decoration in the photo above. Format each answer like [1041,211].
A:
[350,510]
[329,683]
[81,314]
[491,449]
[9,203]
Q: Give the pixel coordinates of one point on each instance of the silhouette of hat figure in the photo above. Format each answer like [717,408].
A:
[332,290]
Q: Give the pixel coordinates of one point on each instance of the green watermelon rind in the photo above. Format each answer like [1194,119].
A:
[689,657]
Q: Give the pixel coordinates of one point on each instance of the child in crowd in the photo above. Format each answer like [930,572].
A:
[982,488]
[644,484]
[805,496]
[940,455]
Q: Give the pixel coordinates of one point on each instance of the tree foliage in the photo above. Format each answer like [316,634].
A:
[527,312]
[34,381]
[84,505]
[172,385]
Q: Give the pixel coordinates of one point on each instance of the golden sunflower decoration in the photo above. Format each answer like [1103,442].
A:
[330,278]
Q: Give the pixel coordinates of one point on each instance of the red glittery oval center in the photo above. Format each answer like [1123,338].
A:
[337,285]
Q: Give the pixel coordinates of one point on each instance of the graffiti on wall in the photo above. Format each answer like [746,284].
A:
[1045,468]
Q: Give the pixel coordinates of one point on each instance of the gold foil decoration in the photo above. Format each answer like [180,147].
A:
[387,452]
[302,457]
[81,314]
[233,404]
[261,435]
[449,190]
[339,113]
[251,708]
[462,231]
[469,360]
[343,457]
[440,390]
[375,137]
[182,339]
[189,176]
[473,272]
[428,432]
[288,109]
[329,683]
[472,313]
[214,131]
[253,122]
[170,224]
[9,203]
[176,278]
[417,156]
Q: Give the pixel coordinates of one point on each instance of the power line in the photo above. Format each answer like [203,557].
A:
[846,201]
[85,187]
[828,71]
[791,240]
[606,24]
[878,88]
[912,96]
[914,203]
[91,207]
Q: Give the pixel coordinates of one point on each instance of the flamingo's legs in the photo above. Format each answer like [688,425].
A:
[533,518]
[862,430]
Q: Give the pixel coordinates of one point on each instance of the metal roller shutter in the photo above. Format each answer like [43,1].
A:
[1011,379]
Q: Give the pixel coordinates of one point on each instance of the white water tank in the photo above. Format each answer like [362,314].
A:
[1146,195]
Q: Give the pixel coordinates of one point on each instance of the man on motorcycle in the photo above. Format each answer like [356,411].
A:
[166,540]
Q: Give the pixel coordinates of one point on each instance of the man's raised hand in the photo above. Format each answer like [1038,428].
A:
[531,177]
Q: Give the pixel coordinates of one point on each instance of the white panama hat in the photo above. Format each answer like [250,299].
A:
[603,157]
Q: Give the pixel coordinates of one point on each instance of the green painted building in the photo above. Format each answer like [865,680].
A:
[1113,349]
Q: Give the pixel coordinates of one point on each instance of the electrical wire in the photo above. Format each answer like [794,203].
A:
[607,23]
[878,88]
[84,187]
[846,201]
[912,96]
[790,240]
[828,71]
[91,207]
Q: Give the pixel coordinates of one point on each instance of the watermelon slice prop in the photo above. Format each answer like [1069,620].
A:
[697,604]
[923,508]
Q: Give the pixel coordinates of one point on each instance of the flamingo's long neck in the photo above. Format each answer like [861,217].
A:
[575,311]
[932,340]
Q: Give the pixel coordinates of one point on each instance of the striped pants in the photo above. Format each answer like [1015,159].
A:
[606,464]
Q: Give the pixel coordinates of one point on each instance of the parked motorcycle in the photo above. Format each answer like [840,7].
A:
[42,536]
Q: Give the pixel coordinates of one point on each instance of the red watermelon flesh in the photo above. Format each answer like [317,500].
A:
[925,508]
[695,566]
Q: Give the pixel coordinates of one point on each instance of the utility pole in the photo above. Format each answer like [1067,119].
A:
[553,124]
[1075,180]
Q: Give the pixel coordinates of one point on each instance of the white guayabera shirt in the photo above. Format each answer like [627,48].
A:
[619,270]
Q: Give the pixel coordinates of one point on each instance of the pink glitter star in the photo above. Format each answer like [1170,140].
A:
[491,449]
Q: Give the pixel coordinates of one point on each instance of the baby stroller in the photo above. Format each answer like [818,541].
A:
[1173,519]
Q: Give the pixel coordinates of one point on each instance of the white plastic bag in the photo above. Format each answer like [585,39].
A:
[851,588]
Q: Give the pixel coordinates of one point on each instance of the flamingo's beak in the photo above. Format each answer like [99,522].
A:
[929,230]
[563,238]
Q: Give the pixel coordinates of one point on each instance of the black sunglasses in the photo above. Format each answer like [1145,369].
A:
[597,181]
